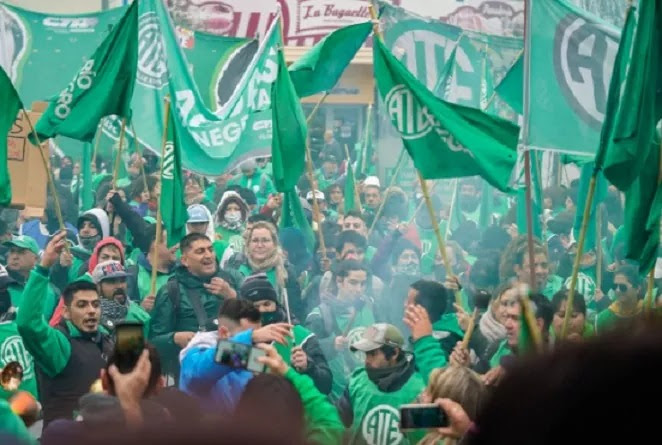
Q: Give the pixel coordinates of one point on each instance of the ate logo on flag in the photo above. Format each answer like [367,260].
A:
[414,121]
[584,56]
[152,70]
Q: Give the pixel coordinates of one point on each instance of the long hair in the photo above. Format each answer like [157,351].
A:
[460,384]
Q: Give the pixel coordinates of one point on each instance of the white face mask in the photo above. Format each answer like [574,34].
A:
[232,217]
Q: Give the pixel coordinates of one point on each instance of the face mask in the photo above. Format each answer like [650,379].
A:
[88,242]
[408,269]
[66,173]
[271,317]
[232,217]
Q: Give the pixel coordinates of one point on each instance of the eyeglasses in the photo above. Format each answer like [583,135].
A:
[261,240]
[621,287]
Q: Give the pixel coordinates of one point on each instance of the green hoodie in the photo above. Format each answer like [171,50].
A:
[428,351]
[323,422]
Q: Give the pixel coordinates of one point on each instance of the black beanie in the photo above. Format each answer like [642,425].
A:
[257,287]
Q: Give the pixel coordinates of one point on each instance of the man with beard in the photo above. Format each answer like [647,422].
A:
[70,356]
[189,302]
[21,260]
[303,350]
[111,280]
[387,381]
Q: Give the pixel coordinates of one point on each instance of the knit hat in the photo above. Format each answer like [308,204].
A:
[258,287]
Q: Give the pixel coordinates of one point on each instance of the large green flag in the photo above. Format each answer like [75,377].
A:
[568,59]
[293,215]
[320,68]
[288,143]
[443,139]
[172,201]
[11,104]
[629,150]
[103,86]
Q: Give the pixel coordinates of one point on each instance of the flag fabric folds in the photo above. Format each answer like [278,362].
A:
[102,87]
[172,201]
[443,139]
[320,68]
[629,151]
[11,104]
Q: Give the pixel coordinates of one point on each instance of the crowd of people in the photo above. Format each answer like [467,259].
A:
[350,329]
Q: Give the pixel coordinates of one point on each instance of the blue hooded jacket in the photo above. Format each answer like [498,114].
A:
[217,386]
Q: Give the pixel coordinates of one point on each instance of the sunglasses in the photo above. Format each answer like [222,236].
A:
[621,287]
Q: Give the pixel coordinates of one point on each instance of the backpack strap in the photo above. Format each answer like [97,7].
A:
[174,293]
[200,314]
[328,320]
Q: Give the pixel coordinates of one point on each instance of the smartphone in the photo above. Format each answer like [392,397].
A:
[239,355]
[129,344]
[417,416]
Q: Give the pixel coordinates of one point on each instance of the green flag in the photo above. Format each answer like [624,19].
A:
[173,205]
[536,198]
[288,143]
[598,197]
[86,189]
[11,104]
[629,150]
[510,87]
[443,139]
[350,194]
[320,68]
[568,58]
[102,87]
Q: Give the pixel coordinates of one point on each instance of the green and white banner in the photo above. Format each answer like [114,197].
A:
[457,65]
[566,77]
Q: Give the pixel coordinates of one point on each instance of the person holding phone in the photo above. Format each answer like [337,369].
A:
[70,356]
[303,351]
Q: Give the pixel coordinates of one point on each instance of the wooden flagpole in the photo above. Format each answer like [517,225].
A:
[118,157]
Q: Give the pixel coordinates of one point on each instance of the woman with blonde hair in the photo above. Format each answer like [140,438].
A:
[459,384]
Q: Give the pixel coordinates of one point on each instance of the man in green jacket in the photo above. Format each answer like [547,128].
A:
[70,356]
[22,259]
[116,306]
[371,403]
[252,179]
[190,300]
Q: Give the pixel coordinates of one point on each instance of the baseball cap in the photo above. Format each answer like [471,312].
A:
[318,194]
[5,279]
[197,214]
[107,270]
[378,335]
[372,181]
[258,287]
[23,242]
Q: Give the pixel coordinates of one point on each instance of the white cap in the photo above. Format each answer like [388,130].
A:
[372,181]
[319,195]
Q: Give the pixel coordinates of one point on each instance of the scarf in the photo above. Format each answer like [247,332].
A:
[112,311]
[491,328]
[235,227]
[386,378]
[618,309]
[273,261]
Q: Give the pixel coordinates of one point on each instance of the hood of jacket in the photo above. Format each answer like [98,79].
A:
[99,218]
[94,258]
[228,197]
[211,229]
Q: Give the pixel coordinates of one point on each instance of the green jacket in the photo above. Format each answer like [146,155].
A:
[172,313]
[377,413]
[612,317]
[16,291]
[13,426]
[50,348]
[143,281]
[12,349]
[322,420]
